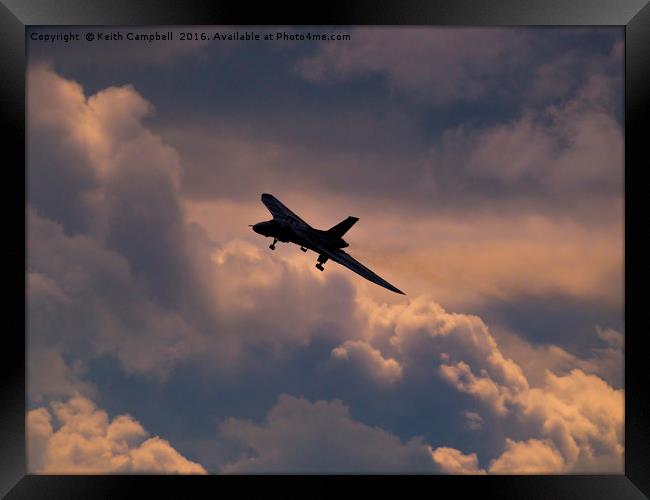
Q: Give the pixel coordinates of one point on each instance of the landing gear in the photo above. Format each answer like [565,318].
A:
[321,260]
[303,249]
[272,245]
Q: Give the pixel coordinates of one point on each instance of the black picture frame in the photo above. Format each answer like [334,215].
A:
[634,15]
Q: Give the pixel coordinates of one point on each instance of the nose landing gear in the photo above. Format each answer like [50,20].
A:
[272,245]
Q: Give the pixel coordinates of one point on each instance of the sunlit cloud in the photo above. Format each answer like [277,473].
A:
[75,437]
[383,370]
[580,414]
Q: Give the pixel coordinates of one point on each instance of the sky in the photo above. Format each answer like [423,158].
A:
[486,168]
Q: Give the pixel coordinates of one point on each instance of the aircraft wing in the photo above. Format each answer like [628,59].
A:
[348,261]
[282,213]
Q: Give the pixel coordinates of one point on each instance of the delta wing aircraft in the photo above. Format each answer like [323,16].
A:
[287,227]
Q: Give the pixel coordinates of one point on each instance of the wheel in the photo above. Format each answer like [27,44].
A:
[320,267]
[303,249]
[272,247]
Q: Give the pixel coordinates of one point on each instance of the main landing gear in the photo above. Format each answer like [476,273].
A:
[272,245]
[321,260]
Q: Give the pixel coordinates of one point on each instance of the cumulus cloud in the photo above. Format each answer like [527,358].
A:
[75,437]
[422,330]
[536,359]
[453,461]
[580,413]
[533,456]
[300,436]
[94,305]
[385,371]
[115,267]
[572,421]
[573,415]
[106,311]
[114,179]
[269,304]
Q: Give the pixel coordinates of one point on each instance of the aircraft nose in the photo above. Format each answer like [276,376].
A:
[257,228]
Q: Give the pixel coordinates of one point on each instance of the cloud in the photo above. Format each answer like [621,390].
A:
[354,150]
[118,272]
[560,75]
[612,337]
[452,461]
[533,66]
[582,414]
[513,256]
[116,180]
[51,376]
[464,261]
[527,205]
[86,441]
[267,305]
[423,330]
[465,73]
[384,371]
[115,267]
[546,250]
[573,146]
[300,436]
[570,422]
[528,457]
[460,375]
[473,421]
[106,309]
[536,360]
[334,155]
[95,306]
[578,413]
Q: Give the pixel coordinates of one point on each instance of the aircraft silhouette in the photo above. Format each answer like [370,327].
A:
[287,227]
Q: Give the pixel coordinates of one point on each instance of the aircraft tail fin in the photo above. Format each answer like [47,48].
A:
[342,227]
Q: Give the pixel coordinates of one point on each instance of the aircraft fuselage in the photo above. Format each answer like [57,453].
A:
[287,234]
